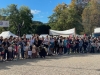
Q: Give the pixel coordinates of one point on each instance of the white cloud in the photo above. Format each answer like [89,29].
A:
[35,11]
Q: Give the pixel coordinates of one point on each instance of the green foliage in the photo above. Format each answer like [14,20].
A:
[16,16]
[91,16]
[66,17]
[58,19]
[40,28]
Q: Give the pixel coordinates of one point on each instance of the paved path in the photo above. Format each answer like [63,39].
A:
[84,64]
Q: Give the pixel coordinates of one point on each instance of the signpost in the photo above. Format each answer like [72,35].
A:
[4,23]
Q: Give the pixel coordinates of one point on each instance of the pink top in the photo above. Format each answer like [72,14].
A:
[16,48]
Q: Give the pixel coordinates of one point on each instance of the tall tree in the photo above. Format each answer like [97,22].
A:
[58,19]
[40,28]
[26,16]
[16,16]
[66,17]
[12,14]
[74,17]
[91,16]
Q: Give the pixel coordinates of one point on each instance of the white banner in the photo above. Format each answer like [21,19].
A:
[65,32]
[4,23]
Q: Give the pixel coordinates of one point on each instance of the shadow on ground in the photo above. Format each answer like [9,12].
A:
[4,65]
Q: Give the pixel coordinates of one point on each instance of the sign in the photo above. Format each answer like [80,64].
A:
[4,23]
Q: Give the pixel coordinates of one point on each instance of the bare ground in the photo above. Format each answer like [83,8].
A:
[74,64]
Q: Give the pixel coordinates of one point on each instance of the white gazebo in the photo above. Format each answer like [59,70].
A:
[97,30]
[7,34]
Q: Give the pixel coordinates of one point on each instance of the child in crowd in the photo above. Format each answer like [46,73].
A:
[15,49]
[26,49]
[30,52]
[49,50]
[42,52]
[34,53]
[60,47]
[1,53]
[19,51]
[10,52]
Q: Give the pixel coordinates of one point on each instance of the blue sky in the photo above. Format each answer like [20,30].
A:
[41,9]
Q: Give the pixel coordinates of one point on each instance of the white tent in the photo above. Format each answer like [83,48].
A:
[97,30]
[66,32]
[44,35]
[28,36]
[7,34]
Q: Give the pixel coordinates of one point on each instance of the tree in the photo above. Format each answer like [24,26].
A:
[42,29]
[58,19]
[91,16]
[26,16]
[12,14]
[16,16]
[74,17]
[66,17]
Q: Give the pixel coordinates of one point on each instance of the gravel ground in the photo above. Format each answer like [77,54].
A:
[75,64]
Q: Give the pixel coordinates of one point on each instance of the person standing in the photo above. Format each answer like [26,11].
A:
[80,45]
[5,44]
[21,43]
[55,45]
[65,45]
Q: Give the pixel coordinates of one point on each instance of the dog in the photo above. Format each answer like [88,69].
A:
[42,52]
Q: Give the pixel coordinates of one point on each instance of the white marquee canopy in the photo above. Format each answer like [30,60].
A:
[97,30]
[65,32]
[7,34]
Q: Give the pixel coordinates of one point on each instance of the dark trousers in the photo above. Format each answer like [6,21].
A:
[92,50]
[10,54]
[72,49]
[77,49]
[6,52]
[80,49]
[85,49]
[55,49]
[68,50]
[65,50]
[45,45]
[22,54]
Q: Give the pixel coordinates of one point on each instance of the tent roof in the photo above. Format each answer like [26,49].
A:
[7,34]
[97,30]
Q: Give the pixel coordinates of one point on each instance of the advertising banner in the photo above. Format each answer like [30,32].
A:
[4,23]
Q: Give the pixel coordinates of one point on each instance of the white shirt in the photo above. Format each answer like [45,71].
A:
[93,44]
[10,49]
[26,48]
[31,42]
[98,45]
[52,40]
[46,41]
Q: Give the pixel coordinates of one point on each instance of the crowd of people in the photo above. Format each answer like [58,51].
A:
[24,48]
